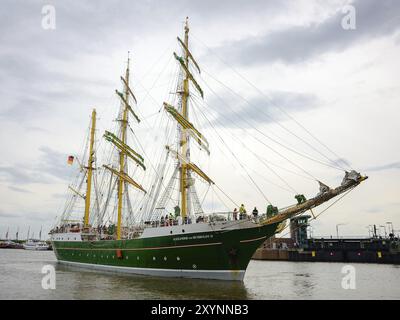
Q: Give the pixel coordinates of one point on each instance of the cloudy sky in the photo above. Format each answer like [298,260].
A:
[261,61]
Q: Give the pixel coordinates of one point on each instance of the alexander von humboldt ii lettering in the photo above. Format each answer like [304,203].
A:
[163,231]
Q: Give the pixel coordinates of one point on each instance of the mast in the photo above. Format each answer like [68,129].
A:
[186,129]
[124,150]
[122,154]
[90,170]
[184,143]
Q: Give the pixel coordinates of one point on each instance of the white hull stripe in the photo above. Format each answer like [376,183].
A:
[253,239]
[149,248]
[236,275]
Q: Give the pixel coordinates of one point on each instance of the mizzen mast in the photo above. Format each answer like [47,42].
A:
[122,154]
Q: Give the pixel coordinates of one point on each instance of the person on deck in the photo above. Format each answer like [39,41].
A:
[242,212]
[235,212]
[255,213]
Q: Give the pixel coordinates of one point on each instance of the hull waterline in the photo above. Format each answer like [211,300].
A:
[222,254]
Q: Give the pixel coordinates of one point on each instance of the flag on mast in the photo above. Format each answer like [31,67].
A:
[70,160]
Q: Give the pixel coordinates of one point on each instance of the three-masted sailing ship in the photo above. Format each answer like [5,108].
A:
[187,243]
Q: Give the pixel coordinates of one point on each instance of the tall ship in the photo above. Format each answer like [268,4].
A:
[164,230]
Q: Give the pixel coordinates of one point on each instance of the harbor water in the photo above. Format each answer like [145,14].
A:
[21,277]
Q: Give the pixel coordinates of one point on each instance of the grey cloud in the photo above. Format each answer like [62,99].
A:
[50,166]
[17,189]
[18,175]
[54,163]
[259,110]
[384,167]
[58,195]
[8,215]
[301,43]
[27,51]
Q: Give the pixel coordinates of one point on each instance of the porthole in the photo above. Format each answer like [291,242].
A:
[183,230]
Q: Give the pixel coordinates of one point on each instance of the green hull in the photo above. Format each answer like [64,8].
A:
[222,254]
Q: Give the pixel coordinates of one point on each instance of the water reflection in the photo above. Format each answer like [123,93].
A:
[88,284]
[21,278]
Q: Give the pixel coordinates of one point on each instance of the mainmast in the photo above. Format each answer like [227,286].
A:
[184,143]
[90,170]
[125,151]
[187,129]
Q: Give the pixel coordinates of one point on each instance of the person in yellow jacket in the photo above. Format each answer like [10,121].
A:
[242,212]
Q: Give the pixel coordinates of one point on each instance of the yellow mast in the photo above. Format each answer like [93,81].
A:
[184,137]
[90,170]
[122,153]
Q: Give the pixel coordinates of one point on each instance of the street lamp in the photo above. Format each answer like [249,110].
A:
[311,231]
[337,229]
[369,231]
[391,224]
[385,230]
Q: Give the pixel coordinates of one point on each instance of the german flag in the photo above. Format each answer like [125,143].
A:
[70,160]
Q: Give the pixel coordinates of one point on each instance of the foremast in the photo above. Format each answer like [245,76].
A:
[90,170]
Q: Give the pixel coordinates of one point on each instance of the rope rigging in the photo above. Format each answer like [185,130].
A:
[277,107]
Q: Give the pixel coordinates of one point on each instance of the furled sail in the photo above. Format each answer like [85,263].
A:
[200,139]
[188,53]
[127,105]
[129,89]
[125,148]
[125,177]
[190,165]
[190,76]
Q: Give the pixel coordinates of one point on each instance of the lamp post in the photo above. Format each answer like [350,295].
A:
[391,224]
[337,229]
[369,231]
[384,228]
[311,231]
